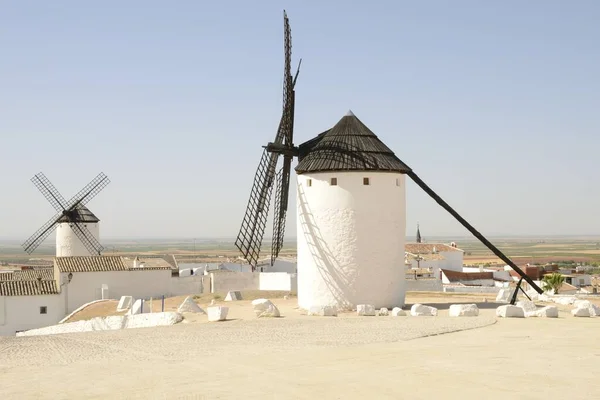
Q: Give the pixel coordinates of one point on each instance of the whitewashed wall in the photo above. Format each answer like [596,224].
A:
[68,243]
[86,286]
[278,281]
[223,282]
[19,313]
[351,239]
[453,260]
[188,285]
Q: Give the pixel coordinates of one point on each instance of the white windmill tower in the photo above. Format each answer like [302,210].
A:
[351,210]
[77,228]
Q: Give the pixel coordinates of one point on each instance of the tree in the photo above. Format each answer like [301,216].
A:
[553,282]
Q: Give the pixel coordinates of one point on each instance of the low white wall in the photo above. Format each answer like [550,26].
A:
[423,285]
[187,285]
[278,281]
[23,312]
[223,282]
[471,289]
[86,286]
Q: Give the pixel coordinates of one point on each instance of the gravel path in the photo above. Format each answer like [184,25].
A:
[201,340]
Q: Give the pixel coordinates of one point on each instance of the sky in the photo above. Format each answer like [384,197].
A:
[493,104]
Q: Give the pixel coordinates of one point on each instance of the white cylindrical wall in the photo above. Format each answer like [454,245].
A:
[68,243]
[351,239]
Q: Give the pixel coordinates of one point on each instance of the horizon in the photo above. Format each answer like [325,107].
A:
[493,105]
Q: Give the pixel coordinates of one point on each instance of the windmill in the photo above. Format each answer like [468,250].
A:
[77,232]
[351,211]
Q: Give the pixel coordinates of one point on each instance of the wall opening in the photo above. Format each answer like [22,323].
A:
[309,182]
[333,182]
[43,310]
[366,181]
[397,181]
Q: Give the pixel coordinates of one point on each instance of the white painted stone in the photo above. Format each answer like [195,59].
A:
[190,306]
[526,305]
[233,296]
[342,239]
[383,312]
[581,312]
[323,311]
[565,300]
[594,310]
[125,303]
[509,311]
[217,313]
[139,307]
[114,322]
[265,308]
[544,298]
[366,310]
[504,295]
[547,312]
[463,310]
[398,312]
[420,310]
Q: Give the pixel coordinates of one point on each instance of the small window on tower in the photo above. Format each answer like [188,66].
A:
[333,181]
[43,310]
[366,181]
[397,182]
[309,182]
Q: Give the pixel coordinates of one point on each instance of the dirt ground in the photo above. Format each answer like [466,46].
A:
[301,357]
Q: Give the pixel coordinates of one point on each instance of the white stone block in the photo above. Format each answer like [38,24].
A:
[582,304]
[190,306]
[233,296]
[565,300]
[366,310]
[463,310]
[504,295]
[139,307]
[547,312]
[383,312]
[580,312]
[217,313]
[265,308]
[594,310]
[526,305]
[420,310]
[125,303]
[398,312]
[323,311]
[509,311]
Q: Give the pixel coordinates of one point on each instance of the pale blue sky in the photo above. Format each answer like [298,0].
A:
[494,104]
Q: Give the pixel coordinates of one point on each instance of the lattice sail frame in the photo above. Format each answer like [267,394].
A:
[249,239]
[65,210]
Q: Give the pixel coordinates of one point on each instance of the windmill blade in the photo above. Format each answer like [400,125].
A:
[86,237]
[41,234]
[89,191]
[49,191]
[281,205]
[251,233]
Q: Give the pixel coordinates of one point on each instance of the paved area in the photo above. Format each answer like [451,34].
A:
[312,357]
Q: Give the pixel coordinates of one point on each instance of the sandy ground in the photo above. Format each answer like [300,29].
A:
[301,357]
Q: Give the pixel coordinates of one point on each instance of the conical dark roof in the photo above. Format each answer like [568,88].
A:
[80,214]
[348,146]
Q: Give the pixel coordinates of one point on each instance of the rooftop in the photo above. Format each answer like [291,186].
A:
[33,274]
[101,264]
[427,248]
[348,146]
[455,276]
[28,288]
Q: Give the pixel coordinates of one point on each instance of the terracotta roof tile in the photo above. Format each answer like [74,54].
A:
[90,264]
[455,276]
[46,274]
[427,248]
[28,288]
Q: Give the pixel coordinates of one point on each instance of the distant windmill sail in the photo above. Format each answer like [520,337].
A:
[74,212]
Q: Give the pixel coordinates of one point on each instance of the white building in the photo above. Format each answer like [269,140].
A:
[437,256]
[29,299]
[351,219]
[36,298]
